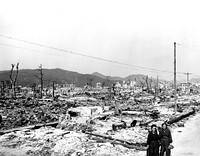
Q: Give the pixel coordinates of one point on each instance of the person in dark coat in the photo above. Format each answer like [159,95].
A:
[166,139]
[153,142]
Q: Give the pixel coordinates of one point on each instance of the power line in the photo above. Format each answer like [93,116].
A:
[88,56]
[196,50]
[183,45]
[190,35]
[197,45]
[19,47]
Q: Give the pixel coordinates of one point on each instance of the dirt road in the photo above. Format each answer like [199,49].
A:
[187,139]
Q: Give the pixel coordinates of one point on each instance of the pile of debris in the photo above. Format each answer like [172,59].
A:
[23,113]
[56,142]
[85,125]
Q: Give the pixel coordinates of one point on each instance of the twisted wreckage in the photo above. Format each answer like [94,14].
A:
[85,125]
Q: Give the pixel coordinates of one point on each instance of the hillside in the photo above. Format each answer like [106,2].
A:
[138,78]
[112,78]
[135,77]
[27,77]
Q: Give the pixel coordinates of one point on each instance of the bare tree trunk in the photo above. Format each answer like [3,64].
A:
[14,84]
[90,82]
[142,84]
[3,87]
[11,75]
[147,83]
[41,79]
[53,91]
[34,90]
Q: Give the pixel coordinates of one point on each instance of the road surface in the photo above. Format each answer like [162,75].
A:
[186,140]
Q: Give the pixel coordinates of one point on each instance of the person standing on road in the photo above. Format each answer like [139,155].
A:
[153,142]
[166,139]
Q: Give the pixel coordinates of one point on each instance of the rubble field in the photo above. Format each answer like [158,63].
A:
[85,126]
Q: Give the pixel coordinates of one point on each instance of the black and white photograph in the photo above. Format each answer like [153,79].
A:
[99,77]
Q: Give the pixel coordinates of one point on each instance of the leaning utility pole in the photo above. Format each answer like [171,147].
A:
[175,90]
[41,79]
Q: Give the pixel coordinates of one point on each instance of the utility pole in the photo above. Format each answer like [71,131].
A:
[188,74]
[175,90]
[41,79]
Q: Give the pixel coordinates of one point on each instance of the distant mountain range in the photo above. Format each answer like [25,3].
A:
[113,78]
[27,77]
[134,77]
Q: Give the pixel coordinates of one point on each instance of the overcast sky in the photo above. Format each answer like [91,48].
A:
[136,32]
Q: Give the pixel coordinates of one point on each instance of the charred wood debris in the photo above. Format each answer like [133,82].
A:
[88,123]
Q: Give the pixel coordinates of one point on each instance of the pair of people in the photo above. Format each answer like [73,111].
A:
[156,138]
